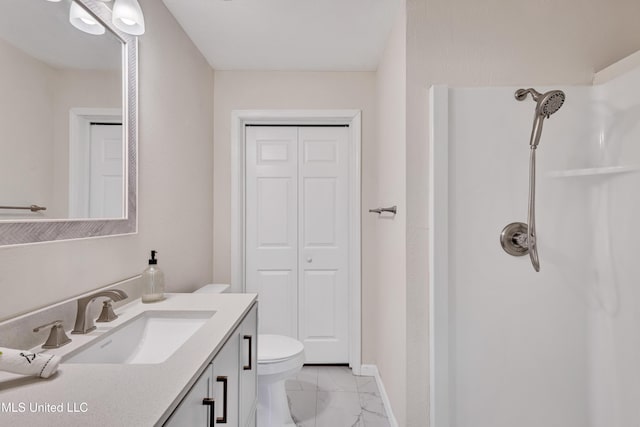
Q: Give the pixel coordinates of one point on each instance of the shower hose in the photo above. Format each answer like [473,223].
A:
[531,217]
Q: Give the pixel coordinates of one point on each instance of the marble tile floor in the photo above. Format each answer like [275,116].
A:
[331,396]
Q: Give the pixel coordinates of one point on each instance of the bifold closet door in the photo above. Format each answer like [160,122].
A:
[323,239]
[297,236]
[271,226]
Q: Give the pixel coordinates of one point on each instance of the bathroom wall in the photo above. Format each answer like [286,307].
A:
[39,155]
[614,315]
[76,89]
[468,43]
[563,340]
[175,187]
[390,298]
[26,150]
[236,90]
[518,339]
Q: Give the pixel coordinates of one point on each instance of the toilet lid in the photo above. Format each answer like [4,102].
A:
[274,348]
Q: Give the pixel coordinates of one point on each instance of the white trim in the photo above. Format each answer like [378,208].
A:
[372,371]
[80,120]
[439,387]
[240,118]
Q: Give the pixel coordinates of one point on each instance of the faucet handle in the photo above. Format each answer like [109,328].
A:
[107,314]
[57,337]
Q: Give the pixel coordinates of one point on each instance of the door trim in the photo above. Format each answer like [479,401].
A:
[352,118]
[80,120]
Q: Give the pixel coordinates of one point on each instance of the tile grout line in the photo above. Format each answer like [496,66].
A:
[315,418]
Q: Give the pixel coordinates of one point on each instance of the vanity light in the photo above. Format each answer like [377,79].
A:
[128,17]
[81,19]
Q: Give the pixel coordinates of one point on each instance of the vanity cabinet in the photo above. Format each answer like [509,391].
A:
[249,368]
[226,392]
[192,410]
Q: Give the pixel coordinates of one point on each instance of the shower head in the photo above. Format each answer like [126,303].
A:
[550,102]
[546,104]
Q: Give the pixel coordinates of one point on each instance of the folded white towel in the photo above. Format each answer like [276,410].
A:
[26,363]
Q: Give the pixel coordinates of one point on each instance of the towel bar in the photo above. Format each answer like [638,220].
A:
[32,208]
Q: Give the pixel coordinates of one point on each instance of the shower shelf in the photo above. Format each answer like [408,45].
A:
[605,170]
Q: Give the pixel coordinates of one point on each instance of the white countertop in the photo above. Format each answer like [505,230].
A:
[123,395]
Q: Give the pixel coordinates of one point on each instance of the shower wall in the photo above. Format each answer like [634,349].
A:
[559,347]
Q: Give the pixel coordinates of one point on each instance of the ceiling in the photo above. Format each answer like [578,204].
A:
[41,29]
[301,35]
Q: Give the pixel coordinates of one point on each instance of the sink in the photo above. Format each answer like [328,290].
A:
[150,337]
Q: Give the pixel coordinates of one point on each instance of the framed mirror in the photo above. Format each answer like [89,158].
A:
[68,124]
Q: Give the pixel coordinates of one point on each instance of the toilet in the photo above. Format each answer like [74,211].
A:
[279,358]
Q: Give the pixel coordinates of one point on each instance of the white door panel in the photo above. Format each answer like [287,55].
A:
[297,235]
[278,293]
[271,226]
[106,177]
[324,239]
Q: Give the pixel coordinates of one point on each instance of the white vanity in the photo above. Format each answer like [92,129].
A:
[209,379]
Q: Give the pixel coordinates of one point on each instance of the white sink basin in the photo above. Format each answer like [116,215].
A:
[150,337]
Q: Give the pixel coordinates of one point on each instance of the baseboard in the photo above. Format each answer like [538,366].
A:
[372,371]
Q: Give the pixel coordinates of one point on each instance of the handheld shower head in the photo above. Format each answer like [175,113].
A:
[550,102]
[546,104]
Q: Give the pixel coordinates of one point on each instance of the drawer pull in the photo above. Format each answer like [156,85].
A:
[249,366]
[207,401]
[223,418]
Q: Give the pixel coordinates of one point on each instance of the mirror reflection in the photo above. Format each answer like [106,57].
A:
[61,133]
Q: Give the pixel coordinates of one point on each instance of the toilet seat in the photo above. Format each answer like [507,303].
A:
[279,354]
[276,348]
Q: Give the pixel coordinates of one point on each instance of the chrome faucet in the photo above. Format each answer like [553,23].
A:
[84,323]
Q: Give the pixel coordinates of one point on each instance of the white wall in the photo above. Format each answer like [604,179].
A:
[35,128]
[518,338]
[26,150]
[614,206]
[237,90]
[469,43]
[390,297]
[175,186]
[564,340]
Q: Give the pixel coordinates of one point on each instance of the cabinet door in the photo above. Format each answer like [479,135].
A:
[225,383]
[194,410]
[248,366]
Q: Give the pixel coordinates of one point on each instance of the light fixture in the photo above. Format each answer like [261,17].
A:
[81,19]
[128,17]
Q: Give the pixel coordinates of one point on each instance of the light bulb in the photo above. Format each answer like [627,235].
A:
[88,21]
[127,17]
[81,19]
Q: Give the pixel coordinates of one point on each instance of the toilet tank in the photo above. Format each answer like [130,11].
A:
[213,288]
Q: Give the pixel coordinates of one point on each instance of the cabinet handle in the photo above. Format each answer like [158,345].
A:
[207,401]
[223,418]
[248,367]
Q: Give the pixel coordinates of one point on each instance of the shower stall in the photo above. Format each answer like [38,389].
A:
[512,347]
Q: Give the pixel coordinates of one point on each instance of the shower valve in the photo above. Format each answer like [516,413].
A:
[514,239]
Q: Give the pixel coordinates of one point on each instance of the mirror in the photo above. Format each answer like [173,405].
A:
[68,128]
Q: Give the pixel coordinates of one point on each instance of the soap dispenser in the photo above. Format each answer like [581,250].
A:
[152,281]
